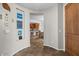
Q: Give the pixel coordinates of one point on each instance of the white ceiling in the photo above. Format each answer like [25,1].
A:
[37,6]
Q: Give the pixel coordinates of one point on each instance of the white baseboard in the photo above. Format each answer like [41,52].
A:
[51,47]
[18,51]
[55,47]
[61,49]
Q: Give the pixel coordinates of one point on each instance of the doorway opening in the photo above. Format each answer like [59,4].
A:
[36,30]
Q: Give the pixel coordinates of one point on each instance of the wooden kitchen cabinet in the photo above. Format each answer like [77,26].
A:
[34,26]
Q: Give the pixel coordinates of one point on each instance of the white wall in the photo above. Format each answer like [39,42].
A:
[60,27]
[11,44]
[1,30]
[38,19]
[53,30]
[51,27]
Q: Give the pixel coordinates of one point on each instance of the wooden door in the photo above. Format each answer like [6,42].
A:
[72,28]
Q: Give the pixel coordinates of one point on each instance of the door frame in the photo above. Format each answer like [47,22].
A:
[64,44]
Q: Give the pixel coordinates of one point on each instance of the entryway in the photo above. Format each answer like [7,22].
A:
[52,44]
[36,30]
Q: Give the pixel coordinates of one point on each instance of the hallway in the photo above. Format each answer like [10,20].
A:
[32,29]
[46,51]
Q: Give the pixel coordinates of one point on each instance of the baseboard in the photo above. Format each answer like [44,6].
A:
[61,49]
[18,51]
[55,48]
[51,47]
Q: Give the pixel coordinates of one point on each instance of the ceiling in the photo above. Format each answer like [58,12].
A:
[37,6]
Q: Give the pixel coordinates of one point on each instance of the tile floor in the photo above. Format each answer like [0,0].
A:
[37,49]
[45,51]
